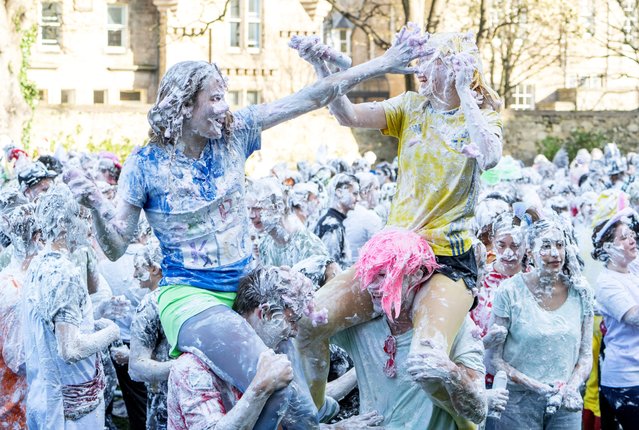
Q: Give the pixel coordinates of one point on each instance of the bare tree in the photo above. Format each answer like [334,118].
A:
[380,19]
[521,38]
[622,25]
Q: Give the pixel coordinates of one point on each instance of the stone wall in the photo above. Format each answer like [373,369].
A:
[318,134]
[523,128]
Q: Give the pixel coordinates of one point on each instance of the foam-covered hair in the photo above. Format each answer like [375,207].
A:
[399,253]
[180,86]
[451,43]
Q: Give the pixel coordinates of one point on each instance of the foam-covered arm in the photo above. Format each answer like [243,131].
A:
[74,345]
[515,375]
[485,145]
[572,399]
[143,368]
[361,115]
[340,387]
[114,226]
[409,44]
[453,386]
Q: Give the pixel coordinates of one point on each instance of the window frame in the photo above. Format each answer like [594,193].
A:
[523,97]
[124,27]
[57,24]
[244,20]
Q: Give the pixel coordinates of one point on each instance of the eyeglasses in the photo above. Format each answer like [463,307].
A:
[390,348]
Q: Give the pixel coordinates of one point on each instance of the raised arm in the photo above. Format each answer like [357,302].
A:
[408,45]
[74,346]
[485,145]
[115,226]
[361,115]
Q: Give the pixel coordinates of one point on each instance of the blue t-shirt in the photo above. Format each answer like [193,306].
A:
[196,207]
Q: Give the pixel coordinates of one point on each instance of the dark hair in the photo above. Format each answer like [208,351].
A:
[51,163]
[265,284]
[598,253]
[344,179]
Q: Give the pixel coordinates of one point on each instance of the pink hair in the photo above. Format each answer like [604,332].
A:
[399,253]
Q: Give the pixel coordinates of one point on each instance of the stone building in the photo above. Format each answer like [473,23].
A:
[97,65]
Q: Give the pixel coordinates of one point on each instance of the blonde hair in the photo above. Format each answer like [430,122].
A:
[451,43]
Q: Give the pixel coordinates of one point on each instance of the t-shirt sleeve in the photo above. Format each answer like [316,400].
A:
[613,297]
[146,322]
[495,124]
[131,185]
[394,111]
[247,130]
[67,299]
[468,349]
[502,300]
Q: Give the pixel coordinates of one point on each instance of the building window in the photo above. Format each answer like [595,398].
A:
[116,25]
[234,24]
[99,97]
[233,98]
[130,96]
[523,97]
[50,21]
[254,24]
[252,97]
[43,96]
[67,97]
[591,82]
[341,40]
[245,24]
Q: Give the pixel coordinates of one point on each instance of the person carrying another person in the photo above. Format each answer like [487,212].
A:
[189,180]
[271,300]
[448,133]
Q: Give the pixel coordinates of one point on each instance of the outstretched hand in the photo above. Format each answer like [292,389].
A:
[311,49]
[84,189]
[464,66]
[409,44]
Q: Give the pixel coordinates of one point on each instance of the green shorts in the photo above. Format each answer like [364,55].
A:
[178,303]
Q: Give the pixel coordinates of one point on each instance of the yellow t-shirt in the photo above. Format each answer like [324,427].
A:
[437,185]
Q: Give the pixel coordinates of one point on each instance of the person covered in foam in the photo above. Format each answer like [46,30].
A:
[61,340]
[547,314]
[285,241]
[392,268]
[19,225]
[615,244]
[189,180]
[448,133]
[271,300]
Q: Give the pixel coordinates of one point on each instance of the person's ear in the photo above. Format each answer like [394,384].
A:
[187,109]
[155,270]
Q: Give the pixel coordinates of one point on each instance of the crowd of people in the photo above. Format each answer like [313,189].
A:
[449,288]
